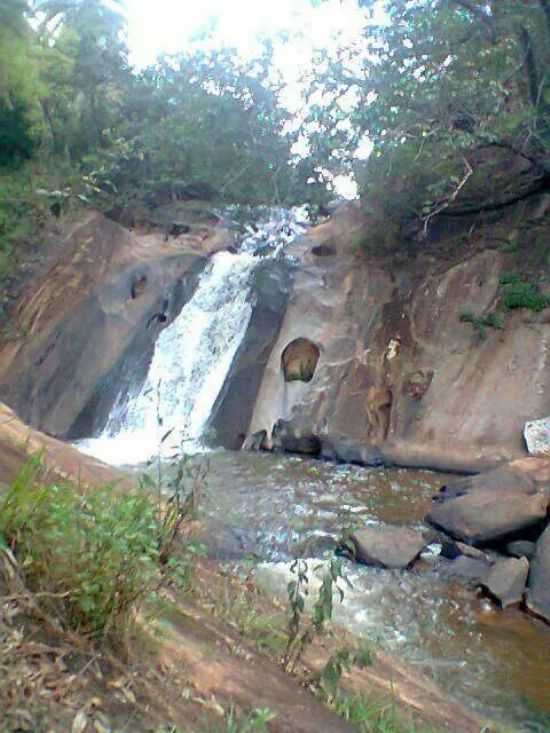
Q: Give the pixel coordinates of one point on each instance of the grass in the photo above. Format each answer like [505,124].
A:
[90,559]
[370,717]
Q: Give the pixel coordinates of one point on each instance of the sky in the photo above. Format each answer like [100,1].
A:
[168,26]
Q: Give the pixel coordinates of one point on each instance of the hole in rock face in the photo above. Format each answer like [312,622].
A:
[138,286]
[299,360]
[324,250]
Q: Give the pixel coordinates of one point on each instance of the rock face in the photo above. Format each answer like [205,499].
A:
[506,581]
[388,547]
[482,517]
[537,437]
[87,326]
[60,460]
[399,378]
[538,597]
[233,409]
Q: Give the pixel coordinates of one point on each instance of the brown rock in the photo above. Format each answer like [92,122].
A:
[388,547]
[60,460]
[468,569]
[538,596]
[483,516]
[399,375]
[506,580]
[87,326]
[452,549]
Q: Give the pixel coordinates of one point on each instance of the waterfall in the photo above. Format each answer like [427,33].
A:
[192,356]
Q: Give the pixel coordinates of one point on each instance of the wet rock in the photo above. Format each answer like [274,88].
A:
[92,320]
[521,548]
[537,437]
[231,413]
[286,438]
[254,442]
[506,580]
[452,549]
[517,477]
[481,517]
[468,569]
[388,547]
[538,596]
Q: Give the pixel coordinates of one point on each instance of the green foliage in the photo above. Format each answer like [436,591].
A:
[254,722]
[301,633]
[91,559]
[328,681]
[517,293]
[446,93]
[16,143]
[481,323]
[372,717]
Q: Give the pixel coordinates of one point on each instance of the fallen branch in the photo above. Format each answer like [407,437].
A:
[448,201]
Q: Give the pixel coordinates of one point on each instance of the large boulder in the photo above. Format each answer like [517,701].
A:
[538,596]
[469,570]
[481,517]
[506,580]
[537,437]
[86,327]
[399,379]
[388,547]
[60,461]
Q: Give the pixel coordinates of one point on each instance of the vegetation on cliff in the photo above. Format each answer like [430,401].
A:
[455,99]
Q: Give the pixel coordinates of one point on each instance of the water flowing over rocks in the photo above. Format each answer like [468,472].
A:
[506,511]
[537,437]
[86,329]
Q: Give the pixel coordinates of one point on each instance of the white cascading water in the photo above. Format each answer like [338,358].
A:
[192,357]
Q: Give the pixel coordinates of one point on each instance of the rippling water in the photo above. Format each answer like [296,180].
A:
[274,508]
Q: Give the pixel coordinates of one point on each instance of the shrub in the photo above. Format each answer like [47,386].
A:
[91,559]
[481,323]
[16,143]
[520,294]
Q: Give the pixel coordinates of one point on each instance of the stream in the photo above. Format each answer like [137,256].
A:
[272,508]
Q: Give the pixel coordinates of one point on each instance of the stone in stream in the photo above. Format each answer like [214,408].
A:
[484,516]
[451,549]
[388,547]
[537,437]
[521,548]
[538,596]
[506,580]
[468,569]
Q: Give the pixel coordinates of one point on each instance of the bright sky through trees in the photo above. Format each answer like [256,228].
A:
[168,26]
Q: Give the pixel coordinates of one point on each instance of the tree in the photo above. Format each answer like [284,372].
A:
[444,90]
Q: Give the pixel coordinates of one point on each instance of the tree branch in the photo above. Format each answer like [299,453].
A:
[448,201]
[542,185]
